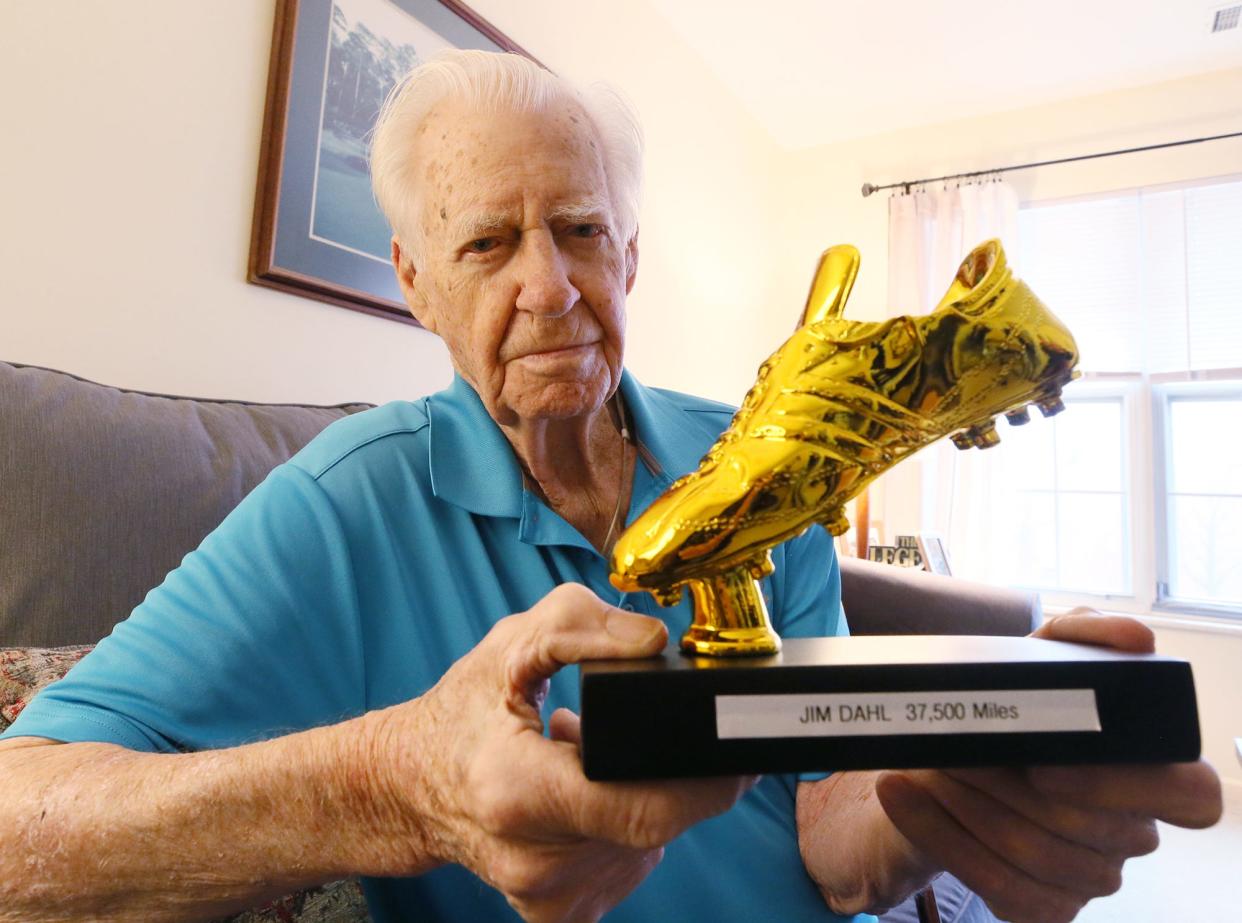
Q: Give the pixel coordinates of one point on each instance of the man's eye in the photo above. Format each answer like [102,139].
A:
[482,245]
[587,230]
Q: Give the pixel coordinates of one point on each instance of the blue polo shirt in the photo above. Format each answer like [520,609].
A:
[360,570]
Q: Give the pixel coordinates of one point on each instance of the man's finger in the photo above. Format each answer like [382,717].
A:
[1083,626]
[1021,841]
[566,726]
[1182,794]
[641,815]
[572,624]
[1011,894]
[1110,833]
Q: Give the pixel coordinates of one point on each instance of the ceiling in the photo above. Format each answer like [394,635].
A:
[893,64]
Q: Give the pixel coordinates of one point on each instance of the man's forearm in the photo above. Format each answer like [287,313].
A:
[93,830]
[851,849]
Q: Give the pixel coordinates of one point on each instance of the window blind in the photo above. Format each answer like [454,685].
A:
[1149,281]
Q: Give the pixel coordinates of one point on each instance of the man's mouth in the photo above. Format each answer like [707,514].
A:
[555,352]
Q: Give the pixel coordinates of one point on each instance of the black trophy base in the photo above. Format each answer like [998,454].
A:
[894,702]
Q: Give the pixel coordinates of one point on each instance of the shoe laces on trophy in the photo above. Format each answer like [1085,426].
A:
[837,405]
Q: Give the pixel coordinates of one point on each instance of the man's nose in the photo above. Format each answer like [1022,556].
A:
[544,286]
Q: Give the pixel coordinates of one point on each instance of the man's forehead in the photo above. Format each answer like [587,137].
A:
[477,165]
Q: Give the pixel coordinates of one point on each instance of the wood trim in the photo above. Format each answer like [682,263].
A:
[862,523]
[296,283]
[488,29]
[272,145]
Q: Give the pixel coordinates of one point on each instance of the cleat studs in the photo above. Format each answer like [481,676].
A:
[836,522]
[962,440]
[1018,417]
[984,436]
[1052,406]
[761,566]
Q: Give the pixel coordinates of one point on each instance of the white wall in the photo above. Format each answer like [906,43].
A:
[130,153]
[824,205]
[131,140]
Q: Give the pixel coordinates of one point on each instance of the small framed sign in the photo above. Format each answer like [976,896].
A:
[935,557]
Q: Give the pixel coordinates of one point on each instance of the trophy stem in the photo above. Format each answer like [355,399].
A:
[730,617]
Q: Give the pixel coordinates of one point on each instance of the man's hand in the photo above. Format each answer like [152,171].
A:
[1036,844]
[472,779]
[461,774]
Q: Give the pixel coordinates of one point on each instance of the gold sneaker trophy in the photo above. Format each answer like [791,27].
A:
[837,405]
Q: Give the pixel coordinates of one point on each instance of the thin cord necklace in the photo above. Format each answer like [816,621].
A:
[609,540]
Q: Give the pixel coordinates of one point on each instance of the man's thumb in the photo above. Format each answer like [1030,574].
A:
[572,624]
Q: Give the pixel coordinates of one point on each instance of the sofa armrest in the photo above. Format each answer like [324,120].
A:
[881,599]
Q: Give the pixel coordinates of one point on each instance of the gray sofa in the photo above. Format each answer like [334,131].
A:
[104,490]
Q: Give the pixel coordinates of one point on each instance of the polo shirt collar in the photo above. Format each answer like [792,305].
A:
[472,464]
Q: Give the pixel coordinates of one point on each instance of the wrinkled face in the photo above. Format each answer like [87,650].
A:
[522,272]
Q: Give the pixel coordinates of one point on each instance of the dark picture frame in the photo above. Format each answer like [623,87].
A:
[317,231]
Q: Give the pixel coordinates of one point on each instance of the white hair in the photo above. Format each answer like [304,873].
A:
[494,82]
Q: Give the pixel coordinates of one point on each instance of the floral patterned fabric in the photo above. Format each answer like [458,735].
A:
[337,902]
[26,670]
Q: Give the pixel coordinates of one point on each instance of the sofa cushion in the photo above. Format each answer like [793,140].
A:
[105,490]
[881,599]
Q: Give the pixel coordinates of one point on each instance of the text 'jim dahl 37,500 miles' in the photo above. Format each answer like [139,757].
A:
[975,711]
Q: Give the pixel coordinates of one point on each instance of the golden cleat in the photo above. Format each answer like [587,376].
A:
[837,405]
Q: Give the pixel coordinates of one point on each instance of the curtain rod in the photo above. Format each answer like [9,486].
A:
[868,188]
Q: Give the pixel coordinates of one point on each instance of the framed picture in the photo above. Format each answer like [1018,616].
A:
[935,557]
[317,231]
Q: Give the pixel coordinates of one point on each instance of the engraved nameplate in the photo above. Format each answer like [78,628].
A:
[976,711]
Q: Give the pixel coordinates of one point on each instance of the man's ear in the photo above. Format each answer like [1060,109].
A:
[631,262]
[406,273]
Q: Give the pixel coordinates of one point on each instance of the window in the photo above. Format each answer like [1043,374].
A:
[1065,485]
[1199,442]
[1134,494]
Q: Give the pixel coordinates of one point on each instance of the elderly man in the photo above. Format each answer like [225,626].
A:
[333,683]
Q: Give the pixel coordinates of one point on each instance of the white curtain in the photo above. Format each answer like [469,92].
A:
[929,232]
